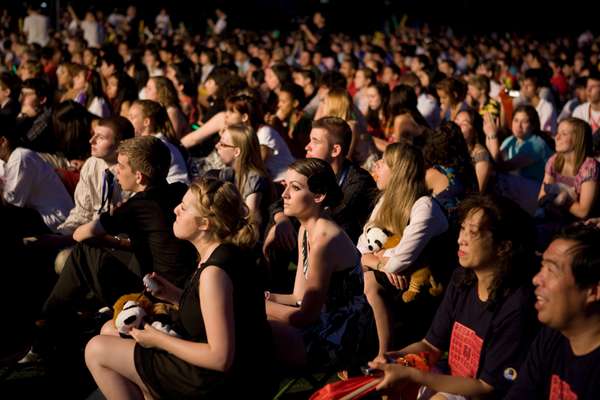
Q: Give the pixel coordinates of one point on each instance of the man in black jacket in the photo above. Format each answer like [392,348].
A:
[146,219]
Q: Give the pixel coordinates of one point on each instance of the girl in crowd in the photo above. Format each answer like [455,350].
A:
[121,91]
[87,87]
[182,80]
[452,93]
[274,152]
[406,210]
[322,321]
[238,149]
[337,103]
[215,357]
[522,156]
[486,320]
[275,77]
[450,175]
[471,125]
[161,90]
[571,179]
[525,152]
[378,95]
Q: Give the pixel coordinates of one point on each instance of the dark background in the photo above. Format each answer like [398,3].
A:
[468,16]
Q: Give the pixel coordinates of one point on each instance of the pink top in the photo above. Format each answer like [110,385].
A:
[589,170]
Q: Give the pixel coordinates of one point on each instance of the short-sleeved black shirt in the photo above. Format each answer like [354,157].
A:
[482,342]
[553,372]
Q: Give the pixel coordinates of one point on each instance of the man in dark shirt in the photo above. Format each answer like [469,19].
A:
[34,124]
[564,360]
[329,141]
[147,220]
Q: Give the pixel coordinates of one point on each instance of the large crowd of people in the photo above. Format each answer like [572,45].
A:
[304,201]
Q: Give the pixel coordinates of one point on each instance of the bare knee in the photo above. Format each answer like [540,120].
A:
[94,351]
[109,329]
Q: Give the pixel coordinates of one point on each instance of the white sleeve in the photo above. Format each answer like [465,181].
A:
[426,221]
[18,179]
[265,137]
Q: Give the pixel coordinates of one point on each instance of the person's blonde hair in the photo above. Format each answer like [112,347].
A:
[338,103]
[405,187]
[582,143]
[222,204]
[244,138]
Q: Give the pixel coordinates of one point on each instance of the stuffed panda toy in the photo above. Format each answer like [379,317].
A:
[376,238]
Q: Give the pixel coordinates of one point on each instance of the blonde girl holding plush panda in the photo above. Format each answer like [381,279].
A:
[407,211]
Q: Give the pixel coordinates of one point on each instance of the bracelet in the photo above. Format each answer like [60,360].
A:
[491,137]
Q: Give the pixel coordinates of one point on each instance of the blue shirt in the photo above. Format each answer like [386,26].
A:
[535,148]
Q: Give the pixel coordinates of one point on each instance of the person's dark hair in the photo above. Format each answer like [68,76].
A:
[338,130]
[249,105]
[184,76]
[227,81]
[295,91]
[283,73]
[148,155]
[112,58]
[372,116]
[333,80]
[402,96]
[594,75]
[210,54]
[8,81]
[140,73]
[446,146]
[585,253]
[534,118]
[71,123]
[320,178]
[126,91]
[121,127]
[477,122]
[40,87]
[513,233]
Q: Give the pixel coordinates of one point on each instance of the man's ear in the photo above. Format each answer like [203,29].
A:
[296,103]
[593,294]
[140,178]
[336,150]
[42,100]
[146,122]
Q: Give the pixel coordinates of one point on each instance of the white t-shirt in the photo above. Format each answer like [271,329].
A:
[547,115]
[31,182]
[428,107]
[36,27]
[178,171]
[280,158]
[91,33]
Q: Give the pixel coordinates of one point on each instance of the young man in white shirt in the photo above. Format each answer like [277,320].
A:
[530,90]
[590,110]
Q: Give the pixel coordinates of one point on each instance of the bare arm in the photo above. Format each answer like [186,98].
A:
[311,292]
[212,126]
[589,192]
[483,170]
[216,302]
[253,203]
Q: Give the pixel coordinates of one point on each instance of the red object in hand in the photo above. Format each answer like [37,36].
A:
[360,386]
